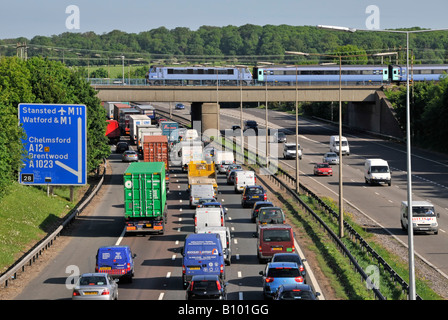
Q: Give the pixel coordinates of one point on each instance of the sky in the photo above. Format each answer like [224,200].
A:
[29,18]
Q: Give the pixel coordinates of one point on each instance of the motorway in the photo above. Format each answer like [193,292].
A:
[158,261]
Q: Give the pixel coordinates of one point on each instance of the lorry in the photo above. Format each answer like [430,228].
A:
[244,178]
[201,172]
[377,171]
[113,131]
[208,217]
[155,149]
[136,120]
[424,217]
[124,118]
[146,131]
[202,254]
[147,110]
[170,129]
[223,159]
[189,151]
[224,234]
[334,145]
[145,206]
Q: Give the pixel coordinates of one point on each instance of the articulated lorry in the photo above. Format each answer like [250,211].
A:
[145,197]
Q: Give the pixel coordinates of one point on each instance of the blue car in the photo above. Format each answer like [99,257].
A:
[180,106]
[278,274]
[117,261]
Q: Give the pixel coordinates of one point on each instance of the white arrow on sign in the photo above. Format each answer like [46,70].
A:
[78,172]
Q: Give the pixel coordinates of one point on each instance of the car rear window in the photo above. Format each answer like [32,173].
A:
[205,285]
[283,272]
[92,281]
[296,295]
[268,215]
[276,235]
[255,191]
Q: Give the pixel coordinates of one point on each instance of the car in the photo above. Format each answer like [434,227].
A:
[179,106]
[202,201]
[233,166]
[331,158]
[280,136]
[289,151]
[213,204]
[295,292]
[270,215]
[206,287]
[291,257]
[95,286]
[121,147]
[323,169]
[252,194]
[251,124]
[257,206]
[277,274]
[231,176]
[129,156]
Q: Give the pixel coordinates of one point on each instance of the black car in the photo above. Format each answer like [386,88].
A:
[252,194]
[295,292]
[122,147]
[291,257]
[257,206]
[251,124]
[206,287]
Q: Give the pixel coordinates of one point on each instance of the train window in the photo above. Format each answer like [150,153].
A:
[229,71]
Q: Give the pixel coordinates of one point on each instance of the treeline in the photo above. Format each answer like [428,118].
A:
[38,80]
[429,111]
[246,44]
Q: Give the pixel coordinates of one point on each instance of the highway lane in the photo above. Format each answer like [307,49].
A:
[381,203]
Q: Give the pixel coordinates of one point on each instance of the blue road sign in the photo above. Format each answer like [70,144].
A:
[56,141]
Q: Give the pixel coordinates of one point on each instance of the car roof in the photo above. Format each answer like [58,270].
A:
[275,226]
[283,265]
[94,274]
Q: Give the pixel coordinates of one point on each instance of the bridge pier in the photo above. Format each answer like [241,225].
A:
[208,115]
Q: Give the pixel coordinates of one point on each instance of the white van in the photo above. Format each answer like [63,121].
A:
[377,171]
[208,217]
[424,217]
[222,160]
[224,234]
[201,191]
[244,178]
[334,145]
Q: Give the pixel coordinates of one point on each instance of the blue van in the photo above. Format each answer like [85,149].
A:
[117,261]
[202,255]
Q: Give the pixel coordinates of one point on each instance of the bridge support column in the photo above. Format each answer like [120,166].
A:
[208,115]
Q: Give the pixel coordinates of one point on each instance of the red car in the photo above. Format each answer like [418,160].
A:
[323,169]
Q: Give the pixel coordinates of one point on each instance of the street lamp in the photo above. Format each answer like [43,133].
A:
[412,294]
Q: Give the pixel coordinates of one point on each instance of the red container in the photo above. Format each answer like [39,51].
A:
[155,149]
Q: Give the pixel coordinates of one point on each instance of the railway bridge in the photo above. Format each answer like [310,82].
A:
[368,107]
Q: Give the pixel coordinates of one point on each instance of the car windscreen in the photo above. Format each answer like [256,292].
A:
[423,211]
[276,235]
[379,169]
[283,272]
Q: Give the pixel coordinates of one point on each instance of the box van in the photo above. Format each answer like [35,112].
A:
[224,234]
[201,191]
[117,261]
[202,254]
[208,217]
[377,171]
[244,178]
[274,238]
[334,145]
[424,216]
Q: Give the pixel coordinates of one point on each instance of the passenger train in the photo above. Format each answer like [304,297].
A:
[366,74]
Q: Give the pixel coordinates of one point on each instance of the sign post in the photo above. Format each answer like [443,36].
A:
[56,141]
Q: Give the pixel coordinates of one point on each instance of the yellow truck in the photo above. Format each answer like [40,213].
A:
[201,172]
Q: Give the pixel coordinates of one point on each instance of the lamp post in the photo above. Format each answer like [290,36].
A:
[412,295]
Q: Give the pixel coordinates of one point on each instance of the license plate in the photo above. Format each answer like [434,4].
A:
[255,197]
[148,225]
[195,268]
[276,248]
[105,268]
[90,293]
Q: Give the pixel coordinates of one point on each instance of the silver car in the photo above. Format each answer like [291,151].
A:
[95,286]
[331,158]
[129,156]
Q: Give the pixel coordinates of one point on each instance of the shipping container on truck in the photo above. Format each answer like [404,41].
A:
[190,151]
[117,107]
[146,131]
[147,110]
[170,129]
[155,149]
[113,131]
[145,197]
[134,121]
[124,118]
